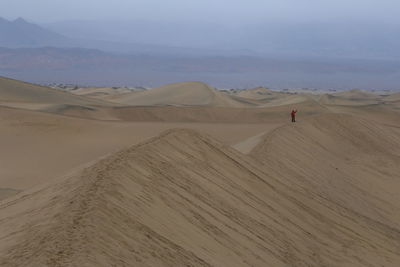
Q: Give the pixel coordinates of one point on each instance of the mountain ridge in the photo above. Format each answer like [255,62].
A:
[21,33]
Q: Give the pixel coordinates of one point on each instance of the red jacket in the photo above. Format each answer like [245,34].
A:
[293,113]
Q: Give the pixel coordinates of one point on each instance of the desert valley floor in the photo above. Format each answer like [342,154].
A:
[186,175]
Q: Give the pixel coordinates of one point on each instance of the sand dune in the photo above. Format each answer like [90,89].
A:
[353,156]
[276,111]
[356,94]
[270,114]
[37,146]
[353,97]
[185,199]
[240,186]
[258,93]
[394,97]
[263,97]
[106,93]
[17,92]
[203,103]
[34,97]
[28,96]
[328,99]
[179,94]
[99,91]
[287,100]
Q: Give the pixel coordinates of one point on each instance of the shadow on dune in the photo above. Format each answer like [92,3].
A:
[318,193]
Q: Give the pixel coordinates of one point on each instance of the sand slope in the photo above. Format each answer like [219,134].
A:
[258,93]
[38,146]
[393,97]
[320,192]
[340,158]
[179,94]
[106,93]
[353,97]
[263,97]
[12,91]
[356,94]
[184,199]
[393,100]
[28,96]
[7,192]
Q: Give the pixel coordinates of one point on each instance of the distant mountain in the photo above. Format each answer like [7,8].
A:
[341,39]
[51,58]
[345,39]
[20,33]
[351,39]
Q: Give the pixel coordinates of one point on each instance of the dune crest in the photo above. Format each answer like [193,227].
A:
[179,94]
[258,93]
[183,198]
[13,91]
[319,192]
[349,152]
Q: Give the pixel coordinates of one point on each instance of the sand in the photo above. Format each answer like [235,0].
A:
[13,91]
[259,93]
[38,146]
[113,94]
[179,94]
[188,177]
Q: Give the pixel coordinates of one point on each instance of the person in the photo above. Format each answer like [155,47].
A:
[293,114]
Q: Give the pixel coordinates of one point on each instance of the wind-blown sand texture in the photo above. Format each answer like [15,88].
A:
[201,184]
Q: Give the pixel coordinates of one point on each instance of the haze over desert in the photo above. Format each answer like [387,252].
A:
[150,133]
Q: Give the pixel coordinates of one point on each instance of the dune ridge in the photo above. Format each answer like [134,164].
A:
[352,154]
[319,192]
[29,96]
[179,94]
[183,198]
[258,93]
[17,91]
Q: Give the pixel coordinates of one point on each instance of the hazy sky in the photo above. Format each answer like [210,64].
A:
[201,10]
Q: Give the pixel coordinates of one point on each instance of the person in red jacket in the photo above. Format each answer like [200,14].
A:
[293,114]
